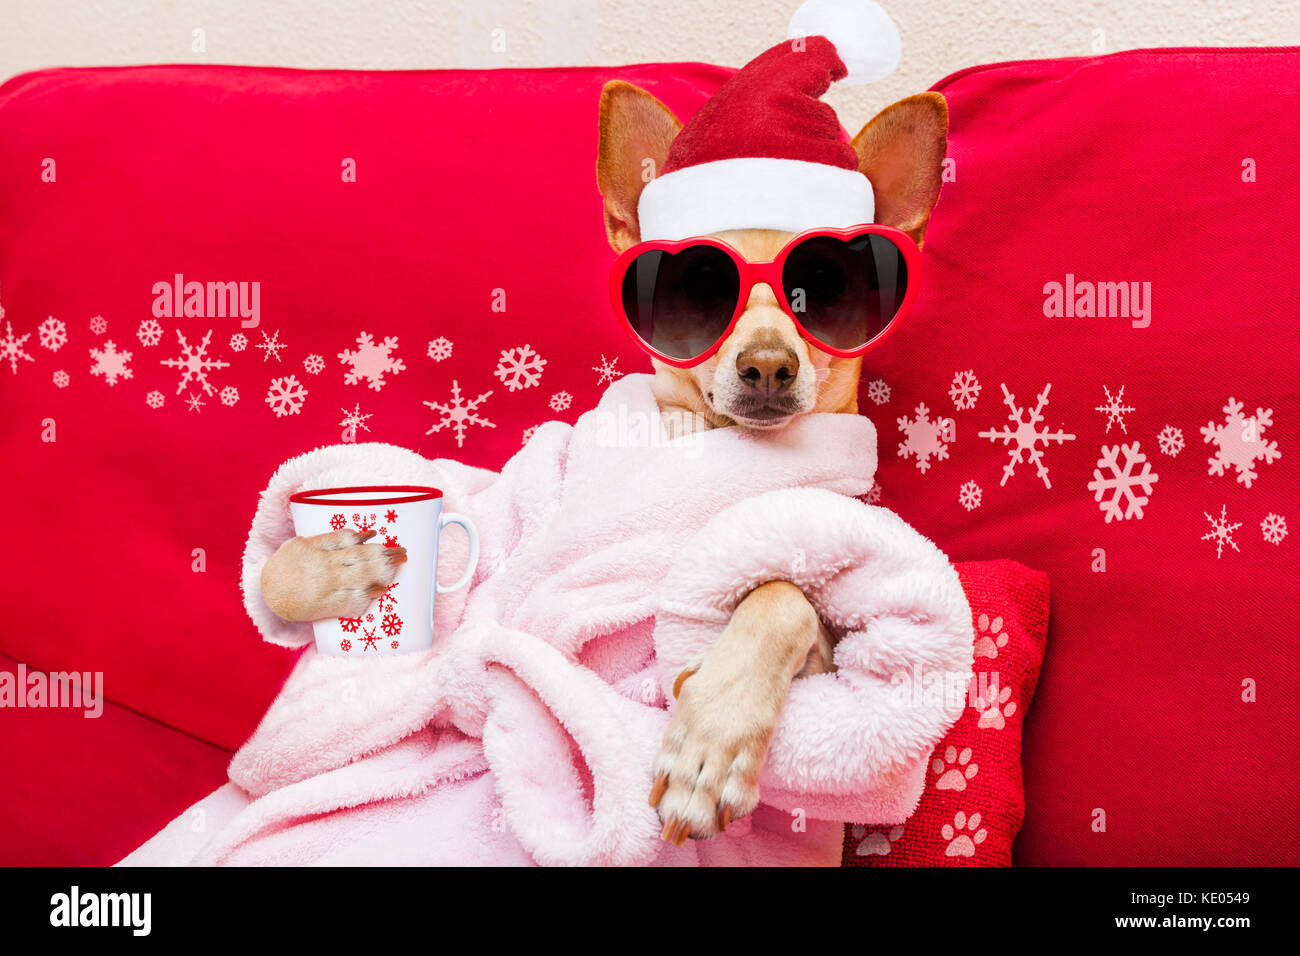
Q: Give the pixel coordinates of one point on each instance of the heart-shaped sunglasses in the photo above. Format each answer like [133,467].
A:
[844,289]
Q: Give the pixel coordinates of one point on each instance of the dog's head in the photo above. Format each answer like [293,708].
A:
[765,373]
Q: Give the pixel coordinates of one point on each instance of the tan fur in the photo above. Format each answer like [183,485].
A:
[706,773]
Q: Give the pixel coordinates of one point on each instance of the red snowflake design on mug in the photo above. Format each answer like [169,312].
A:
[338,522]
[350,624]
[370,640]
[345,645]
[392,625]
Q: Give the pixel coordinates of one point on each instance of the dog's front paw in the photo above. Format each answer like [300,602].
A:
[706,773]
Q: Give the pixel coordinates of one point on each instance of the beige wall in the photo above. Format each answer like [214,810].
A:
[939,36]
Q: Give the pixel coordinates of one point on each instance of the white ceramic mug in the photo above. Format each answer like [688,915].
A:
[409,516]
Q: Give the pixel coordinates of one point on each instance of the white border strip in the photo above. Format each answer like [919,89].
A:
[754,193]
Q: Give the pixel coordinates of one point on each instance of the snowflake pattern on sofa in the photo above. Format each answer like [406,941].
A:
[229,396]
[371,361]
[271,346]
[520,368]
[965,390]
[924,438]
[878,391]
[313,364]
[607,370]
[1171,440]
[560,401]
[457,414]
[1221,531]
[149,332]
[440,349]
[1273,528]
[194,363]
[53,334]
[110,363]
[1240,441]
[1122,481]
[11,348]
[1114,409]
[60,378]
[154,399]
[970,496]
[286,396]
[1026,434]
[98,325]
[352,420]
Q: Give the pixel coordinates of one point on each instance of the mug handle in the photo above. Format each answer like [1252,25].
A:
[464,522]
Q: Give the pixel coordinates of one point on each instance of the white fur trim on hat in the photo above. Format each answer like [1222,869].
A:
[864,36]
[754,193]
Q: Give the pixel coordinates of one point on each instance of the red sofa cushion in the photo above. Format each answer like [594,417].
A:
[1167,700]
[87,790]
[974,801]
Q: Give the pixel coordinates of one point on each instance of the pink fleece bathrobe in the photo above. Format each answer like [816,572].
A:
[612,558]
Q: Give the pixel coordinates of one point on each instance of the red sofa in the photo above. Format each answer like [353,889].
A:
[461,206]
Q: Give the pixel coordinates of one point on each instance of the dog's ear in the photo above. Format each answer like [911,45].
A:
[901,151]
[635,133]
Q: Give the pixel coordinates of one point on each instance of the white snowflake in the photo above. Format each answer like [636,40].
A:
[560,401]
[149,332]
[607,370]
[1221,531]
[1241,441]
[965,390]
[520,368]
[1115,409]
[229,395]
[12,348]
[154,399]
[61,378]
[371,361]
[874,494]
[878,391]
[194,363]
[286,396]
[458,413]
[1124,483]
[1171,440]
[270,346]
[110,363]
[924,438]
[355,419]
[1026,436]
[440,349]
[970,496]
[53,334]
[194,402]
[529,432]
[1273,527]
[314,364]
[238,342]
[98,325]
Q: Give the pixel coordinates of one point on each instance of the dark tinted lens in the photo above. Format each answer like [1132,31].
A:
[681,303]
[845,292]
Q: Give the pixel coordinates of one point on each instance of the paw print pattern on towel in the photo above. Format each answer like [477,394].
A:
[953,769]
[963,835]
[991,637]
[995,706]
[878,842]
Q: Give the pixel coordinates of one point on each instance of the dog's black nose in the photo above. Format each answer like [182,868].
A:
[767,369]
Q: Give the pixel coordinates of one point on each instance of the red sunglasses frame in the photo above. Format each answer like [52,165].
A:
[769,274]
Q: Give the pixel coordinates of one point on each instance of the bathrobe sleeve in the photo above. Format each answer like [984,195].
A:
[337,466]
[851,745]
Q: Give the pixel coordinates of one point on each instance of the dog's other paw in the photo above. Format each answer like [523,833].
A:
[706,773]
[328,575]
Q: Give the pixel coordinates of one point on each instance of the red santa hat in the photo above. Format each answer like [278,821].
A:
[765,152]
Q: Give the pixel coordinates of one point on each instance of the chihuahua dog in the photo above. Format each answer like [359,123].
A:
[763,376]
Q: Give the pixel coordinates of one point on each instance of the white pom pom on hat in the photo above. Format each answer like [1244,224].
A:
[864,36]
